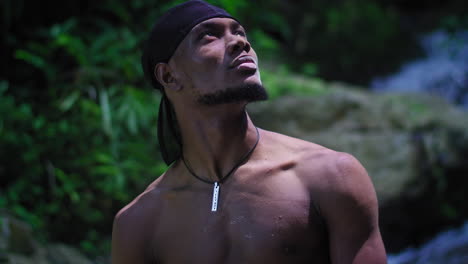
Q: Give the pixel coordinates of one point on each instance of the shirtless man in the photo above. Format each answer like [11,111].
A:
[235,193]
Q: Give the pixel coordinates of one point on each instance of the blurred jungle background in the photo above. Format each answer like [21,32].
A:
[384,80]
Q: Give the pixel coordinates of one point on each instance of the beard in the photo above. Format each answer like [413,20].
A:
[244,93]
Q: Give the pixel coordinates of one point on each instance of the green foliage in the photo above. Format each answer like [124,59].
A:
[264,44]
[283,82]
[348,40]
[87,145]
[232,7]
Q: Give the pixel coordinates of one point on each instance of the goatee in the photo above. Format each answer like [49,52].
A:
[245,93]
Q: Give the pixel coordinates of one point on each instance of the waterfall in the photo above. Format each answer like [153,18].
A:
[449,247]
[442,71]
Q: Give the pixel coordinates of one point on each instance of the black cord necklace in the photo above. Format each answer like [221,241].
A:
[214,203]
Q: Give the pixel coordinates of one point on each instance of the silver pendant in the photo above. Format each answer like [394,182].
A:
[214,203]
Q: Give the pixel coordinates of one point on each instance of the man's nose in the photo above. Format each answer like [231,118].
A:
[238,43]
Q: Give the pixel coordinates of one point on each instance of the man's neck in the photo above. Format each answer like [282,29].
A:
[216,139]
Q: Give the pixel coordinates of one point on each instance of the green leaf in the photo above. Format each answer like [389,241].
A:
[106,170]
[104,158]
[69,101]
[39,123]
[106,112]
[30,58]
[3,86]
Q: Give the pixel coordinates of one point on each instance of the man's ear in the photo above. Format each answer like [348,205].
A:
[164,74]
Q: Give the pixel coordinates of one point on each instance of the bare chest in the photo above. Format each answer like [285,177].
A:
[272,223]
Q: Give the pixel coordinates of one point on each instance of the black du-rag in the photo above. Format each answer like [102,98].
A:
[167,33]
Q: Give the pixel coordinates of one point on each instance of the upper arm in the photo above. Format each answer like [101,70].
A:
[351,212]
[127,242]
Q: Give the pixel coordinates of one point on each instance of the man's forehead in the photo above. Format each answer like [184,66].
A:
[215,22]
[211,23]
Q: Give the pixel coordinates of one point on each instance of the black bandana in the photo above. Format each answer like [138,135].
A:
[165,37]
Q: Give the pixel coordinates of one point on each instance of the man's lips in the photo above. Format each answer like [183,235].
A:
[244,62]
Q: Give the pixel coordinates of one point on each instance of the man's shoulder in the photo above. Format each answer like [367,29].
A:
[332,176]
[305,153]
[291,145]
[317,164]
[141,210]
[142,206]
[130,236]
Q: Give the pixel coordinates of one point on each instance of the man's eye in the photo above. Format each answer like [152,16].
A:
[207,34]
[241,33]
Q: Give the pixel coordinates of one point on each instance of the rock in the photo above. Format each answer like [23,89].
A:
[63,254]
[18,246]
[19,259]
[414,147]
[16,236]
[390,165]
[50,254]
[385,132]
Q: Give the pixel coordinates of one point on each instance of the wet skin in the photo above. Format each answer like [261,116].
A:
[267,212]
[265,216]
[291,202]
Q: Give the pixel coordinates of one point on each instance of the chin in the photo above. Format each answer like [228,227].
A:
[243,92]
[251,80]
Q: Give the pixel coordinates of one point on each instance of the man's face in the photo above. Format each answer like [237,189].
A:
[215,57]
